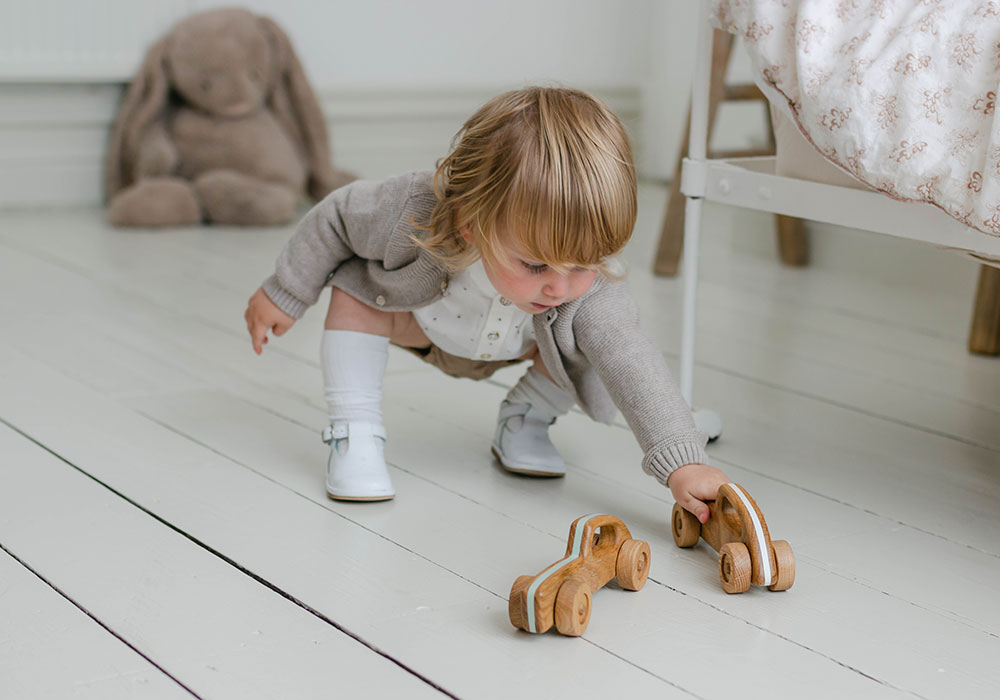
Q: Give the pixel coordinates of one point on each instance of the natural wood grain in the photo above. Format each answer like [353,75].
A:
[735,570]
[793,241]
[984,331]
[598,547]
[784,562]
[745,554]
[632,567]
[671,242]
[572,607]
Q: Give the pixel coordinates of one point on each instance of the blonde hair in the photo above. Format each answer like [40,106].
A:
[550,167]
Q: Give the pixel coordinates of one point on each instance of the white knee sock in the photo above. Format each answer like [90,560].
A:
[353,367]
[547,400]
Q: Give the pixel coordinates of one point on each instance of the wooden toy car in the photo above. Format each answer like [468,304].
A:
[737,531]
[599,549]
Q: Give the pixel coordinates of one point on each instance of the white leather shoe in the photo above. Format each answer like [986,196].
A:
[522,444]
[355,470]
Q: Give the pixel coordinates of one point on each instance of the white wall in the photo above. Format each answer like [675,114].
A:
[370,43]
[396,78]
[406,43]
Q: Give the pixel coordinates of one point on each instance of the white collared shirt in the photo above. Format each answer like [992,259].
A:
[473,321]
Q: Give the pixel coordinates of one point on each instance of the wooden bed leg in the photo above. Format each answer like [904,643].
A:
[984,333]
[668,252]
[793,241]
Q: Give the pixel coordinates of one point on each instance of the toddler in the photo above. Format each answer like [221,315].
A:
[502,255]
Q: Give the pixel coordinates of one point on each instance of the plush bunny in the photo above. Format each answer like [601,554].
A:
[219,125]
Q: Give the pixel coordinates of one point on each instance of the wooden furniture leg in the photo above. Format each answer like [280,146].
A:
[984,333]
[792,241]
[668,253]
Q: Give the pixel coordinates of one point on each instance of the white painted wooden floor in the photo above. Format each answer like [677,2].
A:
[164,531]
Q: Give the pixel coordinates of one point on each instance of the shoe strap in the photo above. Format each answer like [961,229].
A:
[523,410]
[510,410]
[342,429]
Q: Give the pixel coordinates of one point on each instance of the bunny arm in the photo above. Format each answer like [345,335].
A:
[157,155]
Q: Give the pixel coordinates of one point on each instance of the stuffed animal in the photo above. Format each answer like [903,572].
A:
[219,125]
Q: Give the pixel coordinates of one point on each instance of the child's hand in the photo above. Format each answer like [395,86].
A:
[693,484]
[262,316]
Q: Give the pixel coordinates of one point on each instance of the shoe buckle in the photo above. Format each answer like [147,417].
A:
[337,431]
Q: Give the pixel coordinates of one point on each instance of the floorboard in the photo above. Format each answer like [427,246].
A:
[167,480]
[408,606]
[214,629]
[49,647]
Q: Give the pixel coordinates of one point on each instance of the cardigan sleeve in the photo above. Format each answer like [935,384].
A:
[606,328]
[354,220]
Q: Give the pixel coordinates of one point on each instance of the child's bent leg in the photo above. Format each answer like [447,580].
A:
[348,314]
[521,442]
[353,356]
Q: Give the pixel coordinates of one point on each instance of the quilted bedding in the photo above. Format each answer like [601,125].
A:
[899,93]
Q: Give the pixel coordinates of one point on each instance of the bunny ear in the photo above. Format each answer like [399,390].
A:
[144,102]
[296,106]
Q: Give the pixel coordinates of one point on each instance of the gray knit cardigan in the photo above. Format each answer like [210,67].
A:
[359,240]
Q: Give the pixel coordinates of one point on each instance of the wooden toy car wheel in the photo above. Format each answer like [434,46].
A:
[735,567]
[685,527]
[632,565]
[514,607]
[785,565]
[572,610]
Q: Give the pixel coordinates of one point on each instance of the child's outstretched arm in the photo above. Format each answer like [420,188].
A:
[262,315]
[693,484]
[636,376]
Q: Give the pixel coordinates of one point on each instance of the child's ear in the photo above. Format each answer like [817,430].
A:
[466,233]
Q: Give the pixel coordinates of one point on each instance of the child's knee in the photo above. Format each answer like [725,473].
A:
[346,313]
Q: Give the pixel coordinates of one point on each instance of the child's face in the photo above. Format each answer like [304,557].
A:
[533,286]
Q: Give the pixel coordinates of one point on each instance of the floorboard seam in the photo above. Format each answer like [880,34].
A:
[262,581]
[805,647]
[93,617]
[693,597]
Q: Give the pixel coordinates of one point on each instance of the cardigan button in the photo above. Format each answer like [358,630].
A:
[380,300]
[504,301]
[493,336]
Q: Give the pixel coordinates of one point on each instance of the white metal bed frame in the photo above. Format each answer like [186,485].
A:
[751,183]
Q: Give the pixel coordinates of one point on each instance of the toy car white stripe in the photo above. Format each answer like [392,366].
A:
[529,597]
[765,554]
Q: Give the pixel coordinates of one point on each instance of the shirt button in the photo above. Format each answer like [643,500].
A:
[485,356]
[493,336]
[505,301]
[380,300]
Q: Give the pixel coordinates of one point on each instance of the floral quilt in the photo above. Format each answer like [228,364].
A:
[900,93]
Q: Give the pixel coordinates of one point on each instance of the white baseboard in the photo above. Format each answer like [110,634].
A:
[53,136]
[53,139]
